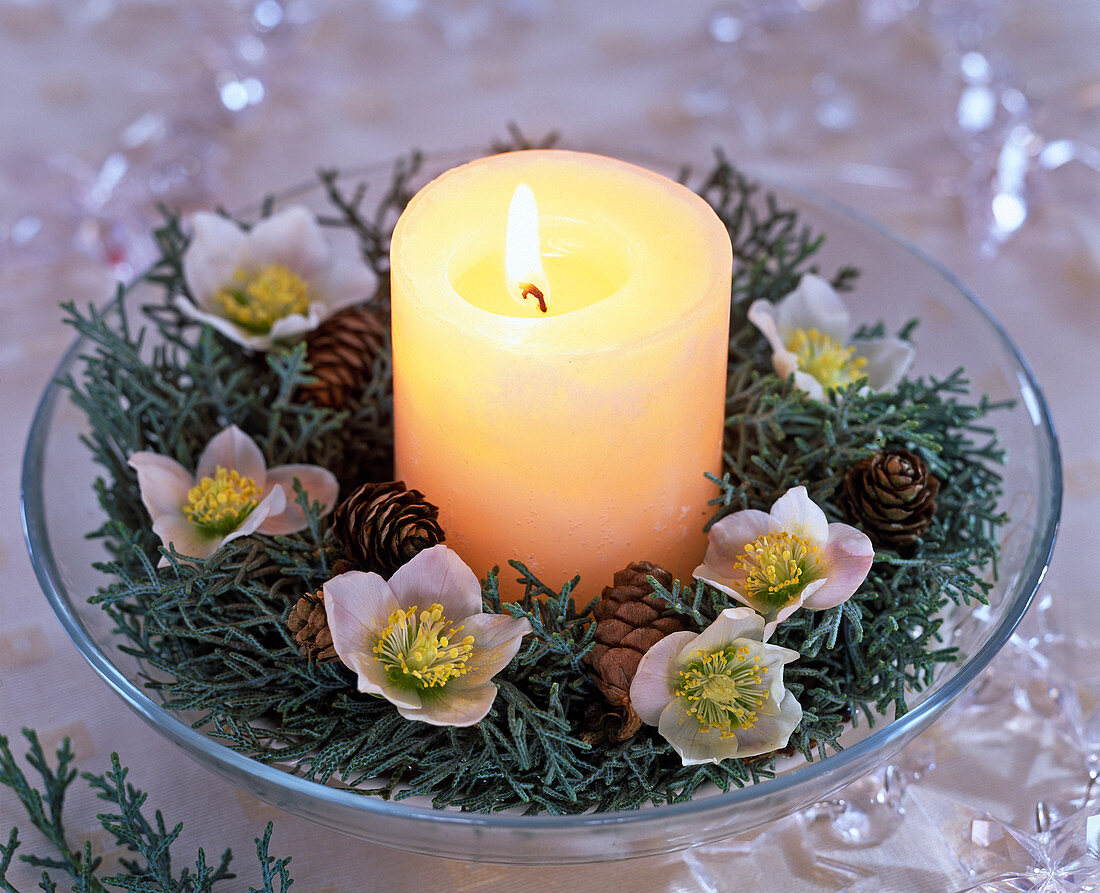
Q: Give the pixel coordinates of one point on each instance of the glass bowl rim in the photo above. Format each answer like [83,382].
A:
[230,761]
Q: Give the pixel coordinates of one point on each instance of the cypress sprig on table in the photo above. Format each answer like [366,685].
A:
[215,637]
[43,801]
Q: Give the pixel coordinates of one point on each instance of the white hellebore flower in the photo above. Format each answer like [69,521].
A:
[278,280]
[776,562]
[809,332]
[421,640]
[719,694]
[231,494]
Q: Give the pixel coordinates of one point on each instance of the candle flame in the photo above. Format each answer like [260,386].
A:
[522,259]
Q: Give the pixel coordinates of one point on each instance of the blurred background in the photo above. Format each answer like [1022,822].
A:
[970,127]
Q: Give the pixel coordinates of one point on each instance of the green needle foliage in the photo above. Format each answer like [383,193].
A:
[150,871]
[215,630]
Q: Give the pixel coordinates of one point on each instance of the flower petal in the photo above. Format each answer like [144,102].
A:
[769,629]
[732,623]
[292,238]
[358,606]
[774,616]
[786,365]
[775,658]
[848,558]
[320,486]
[651,689]
[219,323]
[796,513]
[183,536]
[726,540]
[688,738]
[762,314]
[293,325]
[372,679]
[728,537]
[453,705]
[806,383]
[814,304]
[272,504]
[232,449]
[888,359]
[497,638]
[794,604]
[348,281]
[212,257]
[438,575]
[772,732]
[163,482]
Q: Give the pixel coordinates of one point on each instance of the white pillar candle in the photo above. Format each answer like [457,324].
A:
[575,439]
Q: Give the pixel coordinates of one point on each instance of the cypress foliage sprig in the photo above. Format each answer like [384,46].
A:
[214,633]
[373,228]
[150,840]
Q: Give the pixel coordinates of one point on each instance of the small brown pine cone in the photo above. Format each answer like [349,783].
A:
[891,496]
[382,526]
[309,623]
[342,351]
[342,566]
[602,722]
[629,621]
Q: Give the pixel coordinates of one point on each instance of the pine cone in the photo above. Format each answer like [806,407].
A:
[382,526]
[342,351]
[602,723]
[309,623]
[891,496]
[629,621]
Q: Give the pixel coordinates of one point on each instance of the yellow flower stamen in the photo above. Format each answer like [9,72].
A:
[825,358]
[257,299]
[778,567]
[420,647]
[220,504]
[724,689]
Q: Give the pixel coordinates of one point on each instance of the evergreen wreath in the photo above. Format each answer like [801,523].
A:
[216,631]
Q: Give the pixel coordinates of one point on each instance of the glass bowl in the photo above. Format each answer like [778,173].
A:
[897,283]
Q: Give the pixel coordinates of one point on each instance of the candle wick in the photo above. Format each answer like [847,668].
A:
[528,289]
